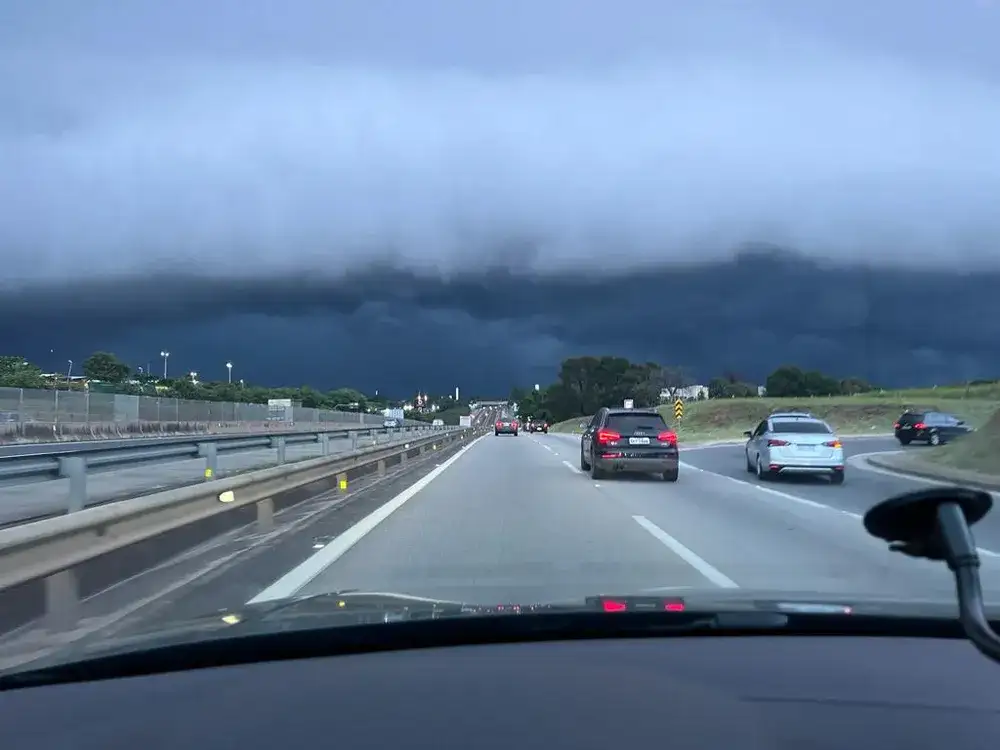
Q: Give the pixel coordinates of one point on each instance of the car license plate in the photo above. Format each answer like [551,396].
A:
[638,441]
[807,448]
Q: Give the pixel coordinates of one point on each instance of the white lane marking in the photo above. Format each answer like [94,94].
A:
[803,501]
[707,570]
[302,574]
[571,467]
[774,492]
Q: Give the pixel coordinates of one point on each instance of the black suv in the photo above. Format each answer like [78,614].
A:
[932,427]
[636,440]
[537,425]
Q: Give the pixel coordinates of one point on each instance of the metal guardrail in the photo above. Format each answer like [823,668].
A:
[75,461]
[52,550]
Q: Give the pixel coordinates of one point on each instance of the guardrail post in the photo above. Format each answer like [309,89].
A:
[381,468]
[62,601]
[342,483]
[403,456]
[353,435]
[74,468]
[265,514]
[324,444]
[210,452]
[279,444]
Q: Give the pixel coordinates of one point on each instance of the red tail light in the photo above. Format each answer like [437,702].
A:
[499,425]
[667,436]
[832,444]
[607,436]
[896,426]
[674,606]
[772,443]
[610,606]
[919,426]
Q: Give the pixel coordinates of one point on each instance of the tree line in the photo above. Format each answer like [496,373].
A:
[584,384]
[106,373]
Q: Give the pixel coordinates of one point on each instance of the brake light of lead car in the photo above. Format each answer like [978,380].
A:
[607,436]
[667,436]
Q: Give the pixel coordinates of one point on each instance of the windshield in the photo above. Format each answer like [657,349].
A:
[801,426]
[487,305]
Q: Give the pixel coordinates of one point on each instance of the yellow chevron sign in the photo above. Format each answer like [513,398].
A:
[678,409]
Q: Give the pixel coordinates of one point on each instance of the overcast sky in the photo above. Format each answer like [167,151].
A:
[309,185]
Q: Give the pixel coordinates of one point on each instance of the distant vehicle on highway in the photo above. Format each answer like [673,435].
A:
[794,443]
[632,440]
[506,426]
[931,427]
[536,425]
[390,424]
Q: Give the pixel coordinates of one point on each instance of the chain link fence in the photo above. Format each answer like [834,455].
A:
[27,414]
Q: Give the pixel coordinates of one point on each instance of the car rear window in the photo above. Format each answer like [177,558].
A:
[626,423]
[911,418]
[802,427]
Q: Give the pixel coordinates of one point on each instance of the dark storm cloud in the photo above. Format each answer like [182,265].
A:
[178,163]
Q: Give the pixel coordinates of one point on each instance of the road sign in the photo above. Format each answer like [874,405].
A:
[629,403]
[678,409]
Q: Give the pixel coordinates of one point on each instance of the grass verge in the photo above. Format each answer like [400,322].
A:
[979,452]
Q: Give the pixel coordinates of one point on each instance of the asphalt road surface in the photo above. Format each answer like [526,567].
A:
[514,520]
[36,499]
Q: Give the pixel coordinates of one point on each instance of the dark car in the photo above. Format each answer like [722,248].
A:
[506,426]
[633,440]
[931,427]
[536,425]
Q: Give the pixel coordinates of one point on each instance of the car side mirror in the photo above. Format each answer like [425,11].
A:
[961,421]
[583,425]
[747,434]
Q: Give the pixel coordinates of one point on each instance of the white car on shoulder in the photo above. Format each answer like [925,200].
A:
[794,443]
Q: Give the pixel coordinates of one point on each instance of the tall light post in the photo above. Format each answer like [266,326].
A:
[165,356]
[194,376]
[229,367]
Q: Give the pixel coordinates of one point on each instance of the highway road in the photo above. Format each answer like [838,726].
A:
[514,520]
[34,499]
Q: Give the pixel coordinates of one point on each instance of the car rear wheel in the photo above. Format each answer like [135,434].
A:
[595,473]
[762,473]
[903,441]
[837,477]
[584,466]
[670,475]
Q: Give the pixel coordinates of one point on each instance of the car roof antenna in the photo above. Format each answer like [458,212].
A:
[935,524]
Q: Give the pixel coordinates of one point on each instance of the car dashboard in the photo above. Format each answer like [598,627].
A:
[814,692]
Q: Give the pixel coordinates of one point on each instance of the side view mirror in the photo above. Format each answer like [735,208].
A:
[747,434]
[583,425]
[961,421]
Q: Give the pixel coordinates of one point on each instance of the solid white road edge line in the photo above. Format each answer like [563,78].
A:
[303,573]
[714,575]
[803,501]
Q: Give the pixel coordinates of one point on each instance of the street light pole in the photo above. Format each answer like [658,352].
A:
[165,355]
[229,367]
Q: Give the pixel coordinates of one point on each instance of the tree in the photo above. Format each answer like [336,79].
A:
[105,367]
[17,372]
